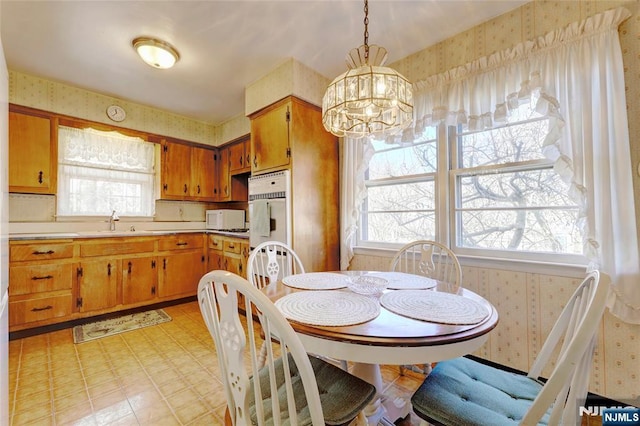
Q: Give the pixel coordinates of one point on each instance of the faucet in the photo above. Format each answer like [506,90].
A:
[112,221]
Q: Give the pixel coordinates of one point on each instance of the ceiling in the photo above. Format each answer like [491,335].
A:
[224,45]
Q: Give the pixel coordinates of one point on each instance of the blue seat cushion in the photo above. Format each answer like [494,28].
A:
[463,392]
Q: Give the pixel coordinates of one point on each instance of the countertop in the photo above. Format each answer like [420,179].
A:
[112,234]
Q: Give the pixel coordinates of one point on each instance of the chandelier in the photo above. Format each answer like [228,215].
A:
[369,99]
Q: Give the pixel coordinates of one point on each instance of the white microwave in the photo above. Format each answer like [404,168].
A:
[225,219]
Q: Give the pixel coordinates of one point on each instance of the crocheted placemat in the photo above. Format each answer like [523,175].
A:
[404,281]
[316,281]
[328,308]
[432,306]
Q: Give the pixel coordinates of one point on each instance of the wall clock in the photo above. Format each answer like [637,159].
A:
[116,113]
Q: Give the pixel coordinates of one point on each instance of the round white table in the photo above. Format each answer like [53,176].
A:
[391,339]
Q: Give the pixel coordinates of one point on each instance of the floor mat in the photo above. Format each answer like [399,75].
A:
[109,327]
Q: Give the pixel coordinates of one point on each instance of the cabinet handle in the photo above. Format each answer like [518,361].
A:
[109,269]
[240,269]
[40,176]
[43,252]
[185,188]
[248,161]
[255,161]
[129,267]
[215,243]
[165,187]
[198,189]
[202,259]
[79,272]
[153,290]
[241,160]
[232,246]
[164,263]
[153,264]
[226,263]
[46,308]
[46,277]
[182,244]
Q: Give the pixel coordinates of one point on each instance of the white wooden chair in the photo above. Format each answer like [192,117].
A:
[430,259]
[433,260]
[292,388]
[464,392]
[271,261]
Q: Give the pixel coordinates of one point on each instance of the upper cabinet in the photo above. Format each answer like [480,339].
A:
[188,172]
[32,152]
[270,137]
[240,156]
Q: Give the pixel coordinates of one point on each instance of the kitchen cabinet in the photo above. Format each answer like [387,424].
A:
[41,282]
[228,253]
[32,151]
[270,138]
[224,177]
[240,156]
[203,173]
[101,271]
[188,172]
[289,135]
[139,279]
[98,284]
[181,264]
[52,281]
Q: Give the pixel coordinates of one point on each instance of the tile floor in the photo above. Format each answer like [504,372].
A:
[160,375]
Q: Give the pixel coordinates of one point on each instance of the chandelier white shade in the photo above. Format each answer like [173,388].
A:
[369,99]
[157,53]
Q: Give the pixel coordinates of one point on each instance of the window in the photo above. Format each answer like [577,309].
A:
[103,171]
[485,193]
[401,192]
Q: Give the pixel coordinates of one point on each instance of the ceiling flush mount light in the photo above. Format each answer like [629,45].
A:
[157,53]
[369,99]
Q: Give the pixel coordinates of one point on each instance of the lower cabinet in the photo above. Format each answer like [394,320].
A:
[181,265]
[139,279]
[98,284]
[51,281]
[229,254]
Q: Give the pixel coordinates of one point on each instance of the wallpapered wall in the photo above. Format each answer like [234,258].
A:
[529,303]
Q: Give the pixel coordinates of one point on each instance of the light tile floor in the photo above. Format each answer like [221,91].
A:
[161,375]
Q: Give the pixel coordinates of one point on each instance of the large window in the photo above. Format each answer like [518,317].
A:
[99,172]
[485,193]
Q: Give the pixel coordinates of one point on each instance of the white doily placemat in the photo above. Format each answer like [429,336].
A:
[444,308]
[316,281]
[404,281]
[328,308]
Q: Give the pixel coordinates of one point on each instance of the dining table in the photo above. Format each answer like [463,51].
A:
[414,320]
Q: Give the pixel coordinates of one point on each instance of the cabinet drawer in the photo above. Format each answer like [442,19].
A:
[40,251]
[216,243]
[232,246]
[39,278]
[181,242]
[109,248]
[30,310]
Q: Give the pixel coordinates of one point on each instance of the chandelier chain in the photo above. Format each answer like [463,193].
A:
[366,31]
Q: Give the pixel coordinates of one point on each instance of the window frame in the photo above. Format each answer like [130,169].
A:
[146,137]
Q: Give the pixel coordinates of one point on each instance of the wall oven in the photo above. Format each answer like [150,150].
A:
[270,208]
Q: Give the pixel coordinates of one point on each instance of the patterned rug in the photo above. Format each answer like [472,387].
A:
[109,327]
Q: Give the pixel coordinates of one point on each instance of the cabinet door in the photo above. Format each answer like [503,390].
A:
[216,260]
[204,174]
[245,251]
[139,279]
[239,157]
[98,284]
[233,263]
[181,273]
[176,170]
[270,139]
[224,178]
[31,154]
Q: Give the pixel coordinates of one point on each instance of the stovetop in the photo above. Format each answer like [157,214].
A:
[235,232]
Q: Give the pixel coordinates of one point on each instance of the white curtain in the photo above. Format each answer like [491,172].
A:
[103,171]
[355,160]
[579,73]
